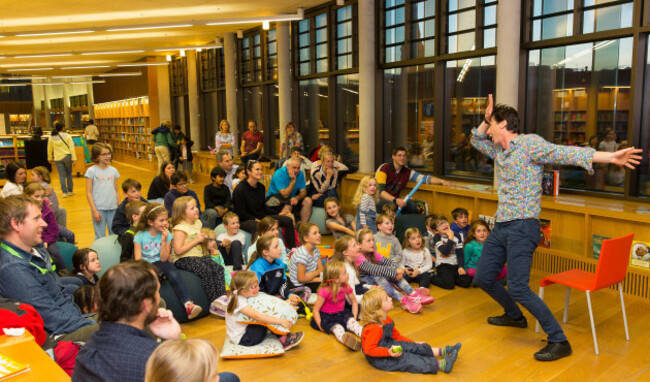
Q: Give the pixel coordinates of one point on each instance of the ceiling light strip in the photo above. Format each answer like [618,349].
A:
[43,55]
[114,52]
[85,67]
[138,28]
[30,69]
[52,33]
[144,64]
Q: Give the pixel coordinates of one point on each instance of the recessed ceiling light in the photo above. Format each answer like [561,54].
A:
[15,85]
[179,48]
[125,74]
[25,70]
[85,67]
[51,33]
[144,64]
[151,27]
[17,78]
[88,82]
[43,55]
[75,76]
[113,52]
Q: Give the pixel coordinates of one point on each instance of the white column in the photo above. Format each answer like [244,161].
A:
[284,78]
[193,96]
[164,95]
[367,68]
[48,114]
[91,100]
[66,106]
[508,40]
[230,56]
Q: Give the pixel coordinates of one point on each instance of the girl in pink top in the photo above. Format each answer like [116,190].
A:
[330,312]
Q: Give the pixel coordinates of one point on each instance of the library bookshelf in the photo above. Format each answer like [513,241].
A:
[124,124]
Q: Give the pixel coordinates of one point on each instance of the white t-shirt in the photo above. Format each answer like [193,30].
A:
[238,236]
[235,330]
[11,188]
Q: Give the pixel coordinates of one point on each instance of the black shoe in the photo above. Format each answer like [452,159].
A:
[505,320]
[554,351]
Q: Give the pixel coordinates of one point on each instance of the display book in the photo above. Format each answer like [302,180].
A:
[10,368]
[551,183]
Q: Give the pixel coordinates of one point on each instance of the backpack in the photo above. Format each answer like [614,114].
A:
[14,314]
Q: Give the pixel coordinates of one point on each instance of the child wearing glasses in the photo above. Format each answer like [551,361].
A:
[179,187]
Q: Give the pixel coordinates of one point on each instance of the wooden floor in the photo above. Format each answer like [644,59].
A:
[489,353]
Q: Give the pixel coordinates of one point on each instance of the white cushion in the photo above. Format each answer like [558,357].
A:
[270,347]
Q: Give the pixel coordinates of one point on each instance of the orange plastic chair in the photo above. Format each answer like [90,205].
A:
[611,269]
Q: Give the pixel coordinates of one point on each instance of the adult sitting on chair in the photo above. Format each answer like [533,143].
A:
[392,178]
[324,179]
[225,162]
[119,350]
[288,187]
[26,273]
[249,203]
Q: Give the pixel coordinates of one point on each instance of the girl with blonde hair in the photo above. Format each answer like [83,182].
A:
[366,199]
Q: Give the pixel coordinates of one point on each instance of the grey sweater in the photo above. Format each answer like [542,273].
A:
[389,245]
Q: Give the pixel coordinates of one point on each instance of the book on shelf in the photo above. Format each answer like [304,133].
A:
[640,255]
[545,233]
[10,368]
[551,183]
[597,244]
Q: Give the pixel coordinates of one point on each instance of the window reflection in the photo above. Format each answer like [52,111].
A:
[314,113]
[468,84]
[580,95]
[347,119]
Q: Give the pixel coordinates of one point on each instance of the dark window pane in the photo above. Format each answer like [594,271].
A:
[313,108]
[347,120]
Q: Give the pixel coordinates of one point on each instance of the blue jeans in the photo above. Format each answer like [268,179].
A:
[411,207]
[211,216]
[106,222]
[226,376]
[514,242]
[175,279]
[64,167]
[320,202]
[388,287]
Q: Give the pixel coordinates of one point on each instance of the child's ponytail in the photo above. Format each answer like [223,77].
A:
[331,275]
[263,244]
[240,282]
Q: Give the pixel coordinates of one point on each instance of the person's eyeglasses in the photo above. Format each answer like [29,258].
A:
[181,184]
[254,285]
[104,154]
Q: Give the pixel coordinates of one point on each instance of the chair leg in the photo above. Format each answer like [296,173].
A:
[620,291]
[541,296]
[593,327]
[565,318]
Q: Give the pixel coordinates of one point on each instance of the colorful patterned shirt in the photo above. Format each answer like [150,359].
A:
[520,170]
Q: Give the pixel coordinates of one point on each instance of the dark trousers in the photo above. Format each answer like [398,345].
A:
[312,286]
[254,335]
[514,242]
[447,276]
[285,222]
[411,207]
[244,160]
[423,279]
[320,202]
[174,277]
[234,256]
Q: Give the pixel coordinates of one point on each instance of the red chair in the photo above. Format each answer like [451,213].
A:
[611,269]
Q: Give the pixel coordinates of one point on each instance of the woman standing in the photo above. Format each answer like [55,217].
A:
[16,176]
[163,142]
[60,150]
[293,139]
[249,201]
[224,139]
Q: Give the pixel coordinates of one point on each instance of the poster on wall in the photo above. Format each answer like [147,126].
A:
[640,256]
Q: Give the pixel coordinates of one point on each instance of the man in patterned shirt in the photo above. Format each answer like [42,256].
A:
[519,159]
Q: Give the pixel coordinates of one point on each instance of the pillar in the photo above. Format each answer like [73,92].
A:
[230,56]
[193,96]
[66,106]
[508,41]
[284,79]
[46,98]
[164,99]
[367,68]
[91,100]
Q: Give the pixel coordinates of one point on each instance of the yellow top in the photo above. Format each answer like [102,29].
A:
[191,230]
[60,146]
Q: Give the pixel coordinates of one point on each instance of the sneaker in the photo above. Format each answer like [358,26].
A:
[424,291]
[192,310]
[554,351]
[71,194]
[450,359]
[64,195]
[218,306]
[409,305]
[505,320]
[455,348]
[350,341]
[292,340]
[421,299]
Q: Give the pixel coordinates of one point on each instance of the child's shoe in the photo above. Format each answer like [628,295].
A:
[350,341]
[409,305]
[424,291]
[192,310]
[420,299]
[218,306]
[450,349]
[291,340]
[450,359]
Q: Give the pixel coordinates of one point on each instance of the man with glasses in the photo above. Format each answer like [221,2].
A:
[392,178]
[225,162]
[288,187]
[179,187]
[27,275]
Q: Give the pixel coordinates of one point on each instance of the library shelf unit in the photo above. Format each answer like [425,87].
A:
[124,124]
[570,126]
[617,120]
[12,148]
[575,220]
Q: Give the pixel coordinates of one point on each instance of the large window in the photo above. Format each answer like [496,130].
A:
[471,25]
[347,118]
[644,168]
[312,53]
[314,113]
[212,93]
[408,114]
[346,54]
[580,95]
[409,29]
[468,82]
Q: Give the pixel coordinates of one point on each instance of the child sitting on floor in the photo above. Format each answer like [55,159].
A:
[416,257]
[330,313]
[386,349]
[86,265]
[305,267]
[268,225]
[460,226]
[473,246]
[86,298]
[336,222]
[245,285]
[450,257]
[133,211]
[231,243]
[209,248]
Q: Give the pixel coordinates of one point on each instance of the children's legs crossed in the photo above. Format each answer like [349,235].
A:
[385,285]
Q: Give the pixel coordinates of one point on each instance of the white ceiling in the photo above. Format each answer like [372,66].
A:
[38,16]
